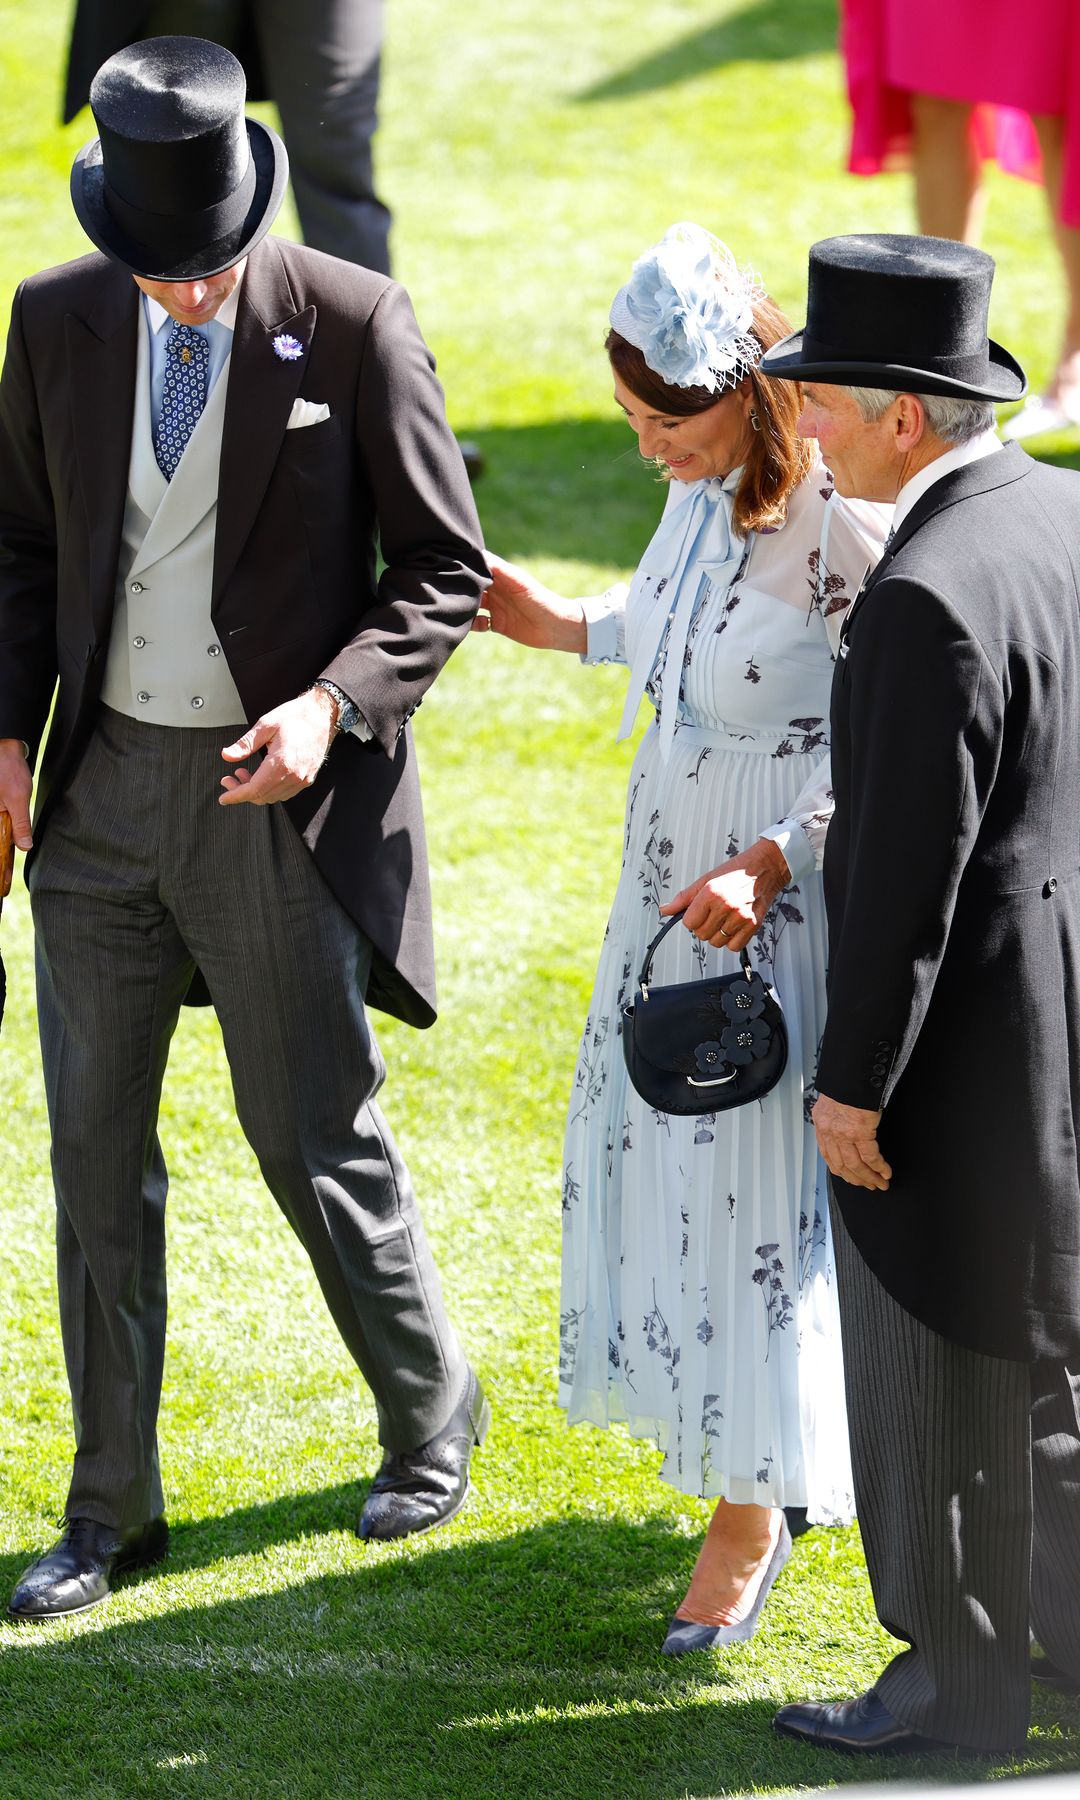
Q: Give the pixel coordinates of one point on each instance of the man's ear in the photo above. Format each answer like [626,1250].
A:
[910,423]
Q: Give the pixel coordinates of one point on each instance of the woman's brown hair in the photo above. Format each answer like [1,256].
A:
[778,459]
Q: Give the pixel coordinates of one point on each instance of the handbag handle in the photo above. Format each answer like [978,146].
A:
[646,967]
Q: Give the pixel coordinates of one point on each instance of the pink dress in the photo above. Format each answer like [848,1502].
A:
[1009,58]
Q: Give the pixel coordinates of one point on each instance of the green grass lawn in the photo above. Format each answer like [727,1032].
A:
[529,151]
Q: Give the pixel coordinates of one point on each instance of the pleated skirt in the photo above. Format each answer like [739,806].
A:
[698,1292]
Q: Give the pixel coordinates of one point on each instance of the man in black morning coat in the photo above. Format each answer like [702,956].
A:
[188,574]
[949,1076]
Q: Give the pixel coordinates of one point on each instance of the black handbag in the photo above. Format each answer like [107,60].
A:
[703,1046]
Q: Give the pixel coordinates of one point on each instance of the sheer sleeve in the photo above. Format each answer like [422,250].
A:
[852,538]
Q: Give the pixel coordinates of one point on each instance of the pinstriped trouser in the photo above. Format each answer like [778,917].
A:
[967,1487]
[139,876]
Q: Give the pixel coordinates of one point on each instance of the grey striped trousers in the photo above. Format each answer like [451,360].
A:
[967,1488]
[139,877]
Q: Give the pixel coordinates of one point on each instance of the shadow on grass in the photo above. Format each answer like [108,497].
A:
[763,31]
[572,488]
[524,1666]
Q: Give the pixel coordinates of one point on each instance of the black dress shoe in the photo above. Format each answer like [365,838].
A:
[415,1490]
[864,1726]
[77,1572]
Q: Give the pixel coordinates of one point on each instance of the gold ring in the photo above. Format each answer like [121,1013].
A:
[722,932]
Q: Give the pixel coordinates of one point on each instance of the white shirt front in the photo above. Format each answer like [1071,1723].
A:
[986,444]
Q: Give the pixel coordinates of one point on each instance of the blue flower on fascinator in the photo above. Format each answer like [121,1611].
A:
[689,309]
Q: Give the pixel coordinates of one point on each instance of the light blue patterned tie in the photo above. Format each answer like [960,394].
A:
[183,395]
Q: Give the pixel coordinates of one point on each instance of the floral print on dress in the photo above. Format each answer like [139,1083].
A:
[705,1237]
[658,1339]
[828,587]
[782,913]
[812,1240]
[703,1132]
[728,608]
[712,1419]
[806,736]
[569,1332]
[590,1078]
[655,875]
[571,1189]
[769,1277]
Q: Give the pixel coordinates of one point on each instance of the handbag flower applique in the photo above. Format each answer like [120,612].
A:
[743,999]
[745,1042]
[286,348]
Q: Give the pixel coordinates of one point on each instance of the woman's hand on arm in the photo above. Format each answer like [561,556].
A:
[727,907]
[518,607]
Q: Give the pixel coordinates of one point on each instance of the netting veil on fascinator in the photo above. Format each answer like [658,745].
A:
[688,308]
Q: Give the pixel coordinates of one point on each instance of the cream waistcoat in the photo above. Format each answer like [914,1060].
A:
[165,663]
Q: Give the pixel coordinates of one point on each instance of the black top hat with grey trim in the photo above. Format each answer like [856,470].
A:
[179,184]
[907,313]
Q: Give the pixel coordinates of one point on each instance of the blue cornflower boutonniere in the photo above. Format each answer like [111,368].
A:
[288,349]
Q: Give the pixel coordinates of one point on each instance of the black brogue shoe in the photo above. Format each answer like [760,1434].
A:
[77,1572]
[415,1490]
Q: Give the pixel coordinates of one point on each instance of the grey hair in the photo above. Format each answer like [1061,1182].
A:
[953,421]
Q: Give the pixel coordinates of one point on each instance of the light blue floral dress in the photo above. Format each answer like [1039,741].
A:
[698,1294]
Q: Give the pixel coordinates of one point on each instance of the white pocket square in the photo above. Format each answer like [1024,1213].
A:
[307,412]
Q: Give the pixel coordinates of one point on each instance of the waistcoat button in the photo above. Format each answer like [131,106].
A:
[139,643]
[136,587]
[142,697]
[198,701]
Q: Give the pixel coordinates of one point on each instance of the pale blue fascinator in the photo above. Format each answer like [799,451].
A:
[688,308]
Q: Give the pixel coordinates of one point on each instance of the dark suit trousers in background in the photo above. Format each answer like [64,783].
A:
[321,60]
[967,1490]
[141,875]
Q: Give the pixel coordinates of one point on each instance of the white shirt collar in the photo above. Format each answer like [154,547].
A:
[973,451]
[226,315]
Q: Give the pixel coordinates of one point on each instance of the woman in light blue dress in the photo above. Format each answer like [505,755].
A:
[698,1297]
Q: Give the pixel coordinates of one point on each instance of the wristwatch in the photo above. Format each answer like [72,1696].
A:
[348,711]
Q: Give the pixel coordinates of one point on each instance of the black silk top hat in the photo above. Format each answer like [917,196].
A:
[907,313]
[178,184]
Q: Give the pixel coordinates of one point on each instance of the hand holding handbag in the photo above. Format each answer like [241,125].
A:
[703,1046]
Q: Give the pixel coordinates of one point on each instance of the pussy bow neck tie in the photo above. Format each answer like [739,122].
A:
[693,542]
[183,395]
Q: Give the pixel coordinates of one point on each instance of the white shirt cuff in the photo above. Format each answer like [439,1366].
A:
[797,849]
[605,623]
